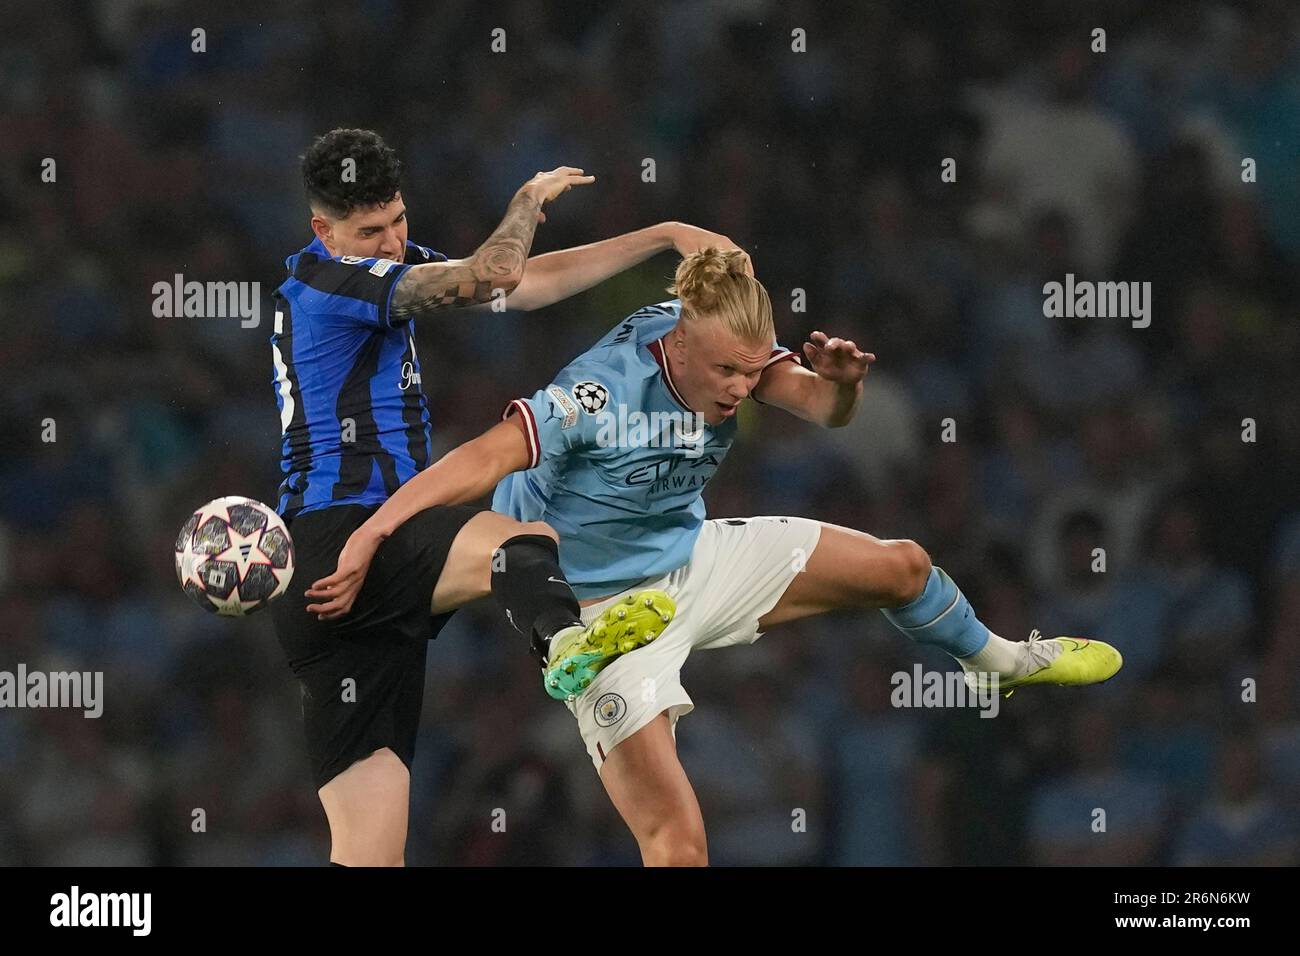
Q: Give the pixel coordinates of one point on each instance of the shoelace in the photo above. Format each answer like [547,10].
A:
[1038,653]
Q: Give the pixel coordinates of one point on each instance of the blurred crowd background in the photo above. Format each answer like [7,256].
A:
[1071,435]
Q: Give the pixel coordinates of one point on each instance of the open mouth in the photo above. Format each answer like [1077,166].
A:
[726,409]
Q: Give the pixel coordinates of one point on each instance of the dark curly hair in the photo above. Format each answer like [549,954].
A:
[378,171]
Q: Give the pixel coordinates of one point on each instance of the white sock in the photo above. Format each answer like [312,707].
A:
[559,636]
[1000,655]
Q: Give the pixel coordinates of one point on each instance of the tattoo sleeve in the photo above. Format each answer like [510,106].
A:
[497,264]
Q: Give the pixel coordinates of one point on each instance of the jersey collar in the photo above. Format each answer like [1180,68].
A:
[317,248]
[660,356]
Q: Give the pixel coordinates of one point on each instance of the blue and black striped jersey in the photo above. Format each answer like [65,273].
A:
[353,415]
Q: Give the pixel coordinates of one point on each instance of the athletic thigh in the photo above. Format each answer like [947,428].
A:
[852,569]
[467,573]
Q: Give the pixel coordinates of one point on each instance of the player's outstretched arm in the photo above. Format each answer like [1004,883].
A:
[828,395]
[555,276]
[466,473]
[497,264]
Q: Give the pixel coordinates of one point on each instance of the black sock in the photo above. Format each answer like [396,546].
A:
[532,591]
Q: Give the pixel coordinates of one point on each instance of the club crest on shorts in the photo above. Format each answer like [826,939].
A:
[591,396]
[610,709]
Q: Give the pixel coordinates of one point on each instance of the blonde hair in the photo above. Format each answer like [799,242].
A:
[713,284]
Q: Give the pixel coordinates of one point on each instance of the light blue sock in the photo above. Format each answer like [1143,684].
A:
[941,616]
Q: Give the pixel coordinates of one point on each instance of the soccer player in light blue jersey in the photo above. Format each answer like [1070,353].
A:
[614,454]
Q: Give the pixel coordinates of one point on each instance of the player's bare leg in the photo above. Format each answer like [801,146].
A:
[467,575]
[852,569]
[367,807]
[648,786]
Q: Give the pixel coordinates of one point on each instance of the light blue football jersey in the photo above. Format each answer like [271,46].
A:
[618,459]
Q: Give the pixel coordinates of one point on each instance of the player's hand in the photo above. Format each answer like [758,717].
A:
[837,360]
[546,186]
[688,239]
[340,589]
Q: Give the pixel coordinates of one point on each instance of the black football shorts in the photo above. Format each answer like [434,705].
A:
[362,675]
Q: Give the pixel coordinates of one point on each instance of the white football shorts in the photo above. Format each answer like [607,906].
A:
[738,571]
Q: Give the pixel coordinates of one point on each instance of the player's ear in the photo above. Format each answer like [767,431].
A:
[322,227]
[677,338]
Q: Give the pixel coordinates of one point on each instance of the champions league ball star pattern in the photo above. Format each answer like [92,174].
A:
[234,556]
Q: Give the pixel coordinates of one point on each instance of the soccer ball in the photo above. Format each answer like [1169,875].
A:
[592,396]
[234,556]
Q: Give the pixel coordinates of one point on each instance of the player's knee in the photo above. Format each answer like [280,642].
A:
[675,845]
[911,570]
[539,527]
[675,854]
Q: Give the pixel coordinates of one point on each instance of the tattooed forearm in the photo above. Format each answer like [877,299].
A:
[438,285]
[505,253]
[497,264]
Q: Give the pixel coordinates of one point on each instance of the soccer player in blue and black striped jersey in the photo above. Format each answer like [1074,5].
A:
[356,425]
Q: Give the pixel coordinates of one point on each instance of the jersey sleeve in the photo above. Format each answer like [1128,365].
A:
[567,415]
[351,286]
[781,354]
